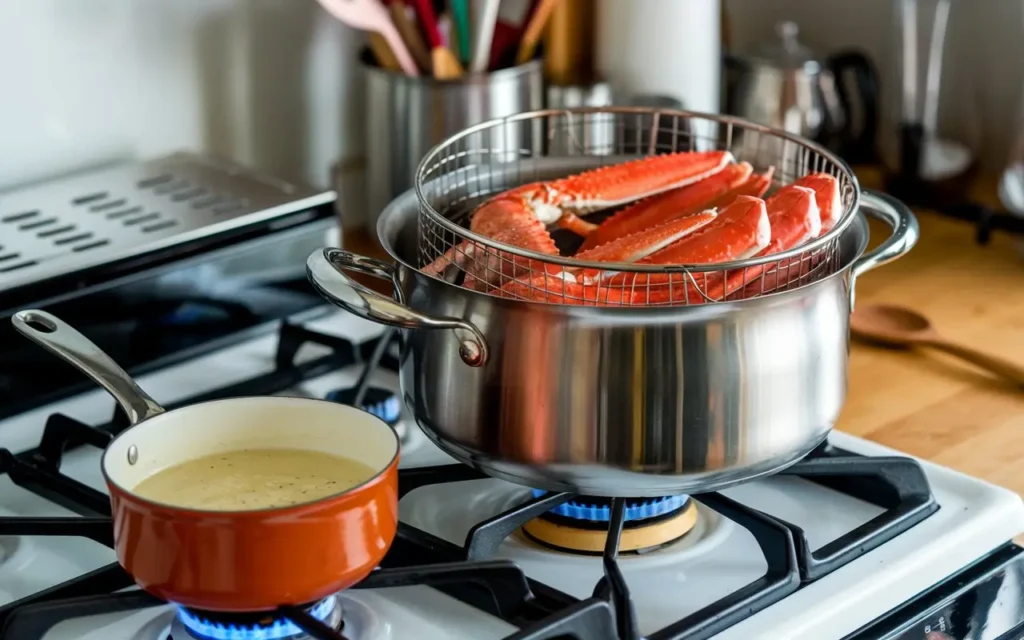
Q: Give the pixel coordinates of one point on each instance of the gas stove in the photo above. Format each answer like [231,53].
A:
[855,542]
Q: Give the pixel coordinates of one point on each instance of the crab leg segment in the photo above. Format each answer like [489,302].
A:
[829,208]
[644,243]
[583,286]
[519,216]
[505,219]
[561,289]
[740,230]
[754,186]
[795,219]
[616,185]
[826,190]
[677,203]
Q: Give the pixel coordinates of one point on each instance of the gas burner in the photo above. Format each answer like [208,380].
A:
[210,625]
[581,524]
[380,402]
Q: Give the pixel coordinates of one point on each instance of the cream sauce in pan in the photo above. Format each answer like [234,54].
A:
[253,479]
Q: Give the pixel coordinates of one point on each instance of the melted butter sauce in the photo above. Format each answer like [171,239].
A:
[251,479]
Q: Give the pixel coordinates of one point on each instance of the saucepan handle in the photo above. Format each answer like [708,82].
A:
[326,271]
[64,341]
[905,231]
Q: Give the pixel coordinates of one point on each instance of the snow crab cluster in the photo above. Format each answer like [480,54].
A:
[687,208]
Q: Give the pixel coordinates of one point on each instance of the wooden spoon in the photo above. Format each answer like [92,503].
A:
[901,327]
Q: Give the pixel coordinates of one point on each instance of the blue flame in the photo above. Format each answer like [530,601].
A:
[642,509]
[280,629]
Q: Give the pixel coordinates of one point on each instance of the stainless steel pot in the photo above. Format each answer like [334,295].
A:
[616,401]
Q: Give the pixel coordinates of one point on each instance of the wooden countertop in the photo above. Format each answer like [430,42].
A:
[928,404]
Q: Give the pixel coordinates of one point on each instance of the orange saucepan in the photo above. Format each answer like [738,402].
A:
[231,561]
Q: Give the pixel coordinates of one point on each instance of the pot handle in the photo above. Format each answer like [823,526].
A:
[65,342]
[326,271]
[905,231]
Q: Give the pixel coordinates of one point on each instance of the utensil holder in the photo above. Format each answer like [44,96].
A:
[407,116]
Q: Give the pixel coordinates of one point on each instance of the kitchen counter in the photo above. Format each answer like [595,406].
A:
[929,404]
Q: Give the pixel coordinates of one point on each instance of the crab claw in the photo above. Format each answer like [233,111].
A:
[695,198]
[505,219]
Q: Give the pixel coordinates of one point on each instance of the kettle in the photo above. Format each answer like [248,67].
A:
[783,85]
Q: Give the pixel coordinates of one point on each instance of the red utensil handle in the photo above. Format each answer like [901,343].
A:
[425,13]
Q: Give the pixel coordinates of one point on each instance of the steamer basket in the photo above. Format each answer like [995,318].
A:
[460,173]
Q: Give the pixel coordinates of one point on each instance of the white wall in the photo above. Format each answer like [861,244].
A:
[270,82]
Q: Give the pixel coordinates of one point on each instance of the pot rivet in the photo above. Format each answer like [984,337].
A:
[470,353]
[133,454]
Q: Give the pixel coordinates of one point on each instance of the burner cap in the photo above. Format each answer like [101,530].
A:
[598,509]
[380,402]
[209,625]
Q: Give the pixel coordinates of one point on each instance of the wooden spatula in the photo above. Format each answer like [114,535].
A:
[445,65]
[370,15]
[402,17]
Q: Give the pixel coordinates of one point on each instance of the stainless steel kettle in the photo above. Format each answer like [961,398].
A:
[783,85]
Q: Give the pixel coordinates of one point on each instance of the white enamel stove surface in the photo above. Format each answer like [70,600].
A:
[719,557]
[713,560]
[381,614]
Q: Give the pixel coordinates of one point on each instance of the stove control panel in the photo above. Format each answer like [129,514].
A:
[985,601]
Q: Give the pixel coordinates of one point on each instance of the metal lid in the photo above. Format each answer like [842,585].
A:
[787,52]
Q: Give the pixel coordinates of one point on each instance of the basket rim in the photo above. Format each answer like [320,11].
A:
[438,151]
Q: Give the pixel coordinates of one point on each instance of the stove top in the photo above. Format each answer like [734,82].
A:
[819,551]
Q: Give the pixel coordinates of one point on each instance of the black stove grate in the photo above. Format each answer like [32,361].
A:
[467,572]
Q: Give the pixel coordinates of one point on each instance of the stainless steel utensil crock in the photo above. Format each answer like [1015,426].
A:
[616,401]
[407,116]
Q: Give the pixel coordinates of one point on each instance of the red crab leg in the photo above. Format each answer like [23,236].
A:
[795,219]
[794,216]
[740,230]
[560,201]
[644,243]
[826,190]
[681,202]
[561,289]
[506,217]
[616,185]
[754,186]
